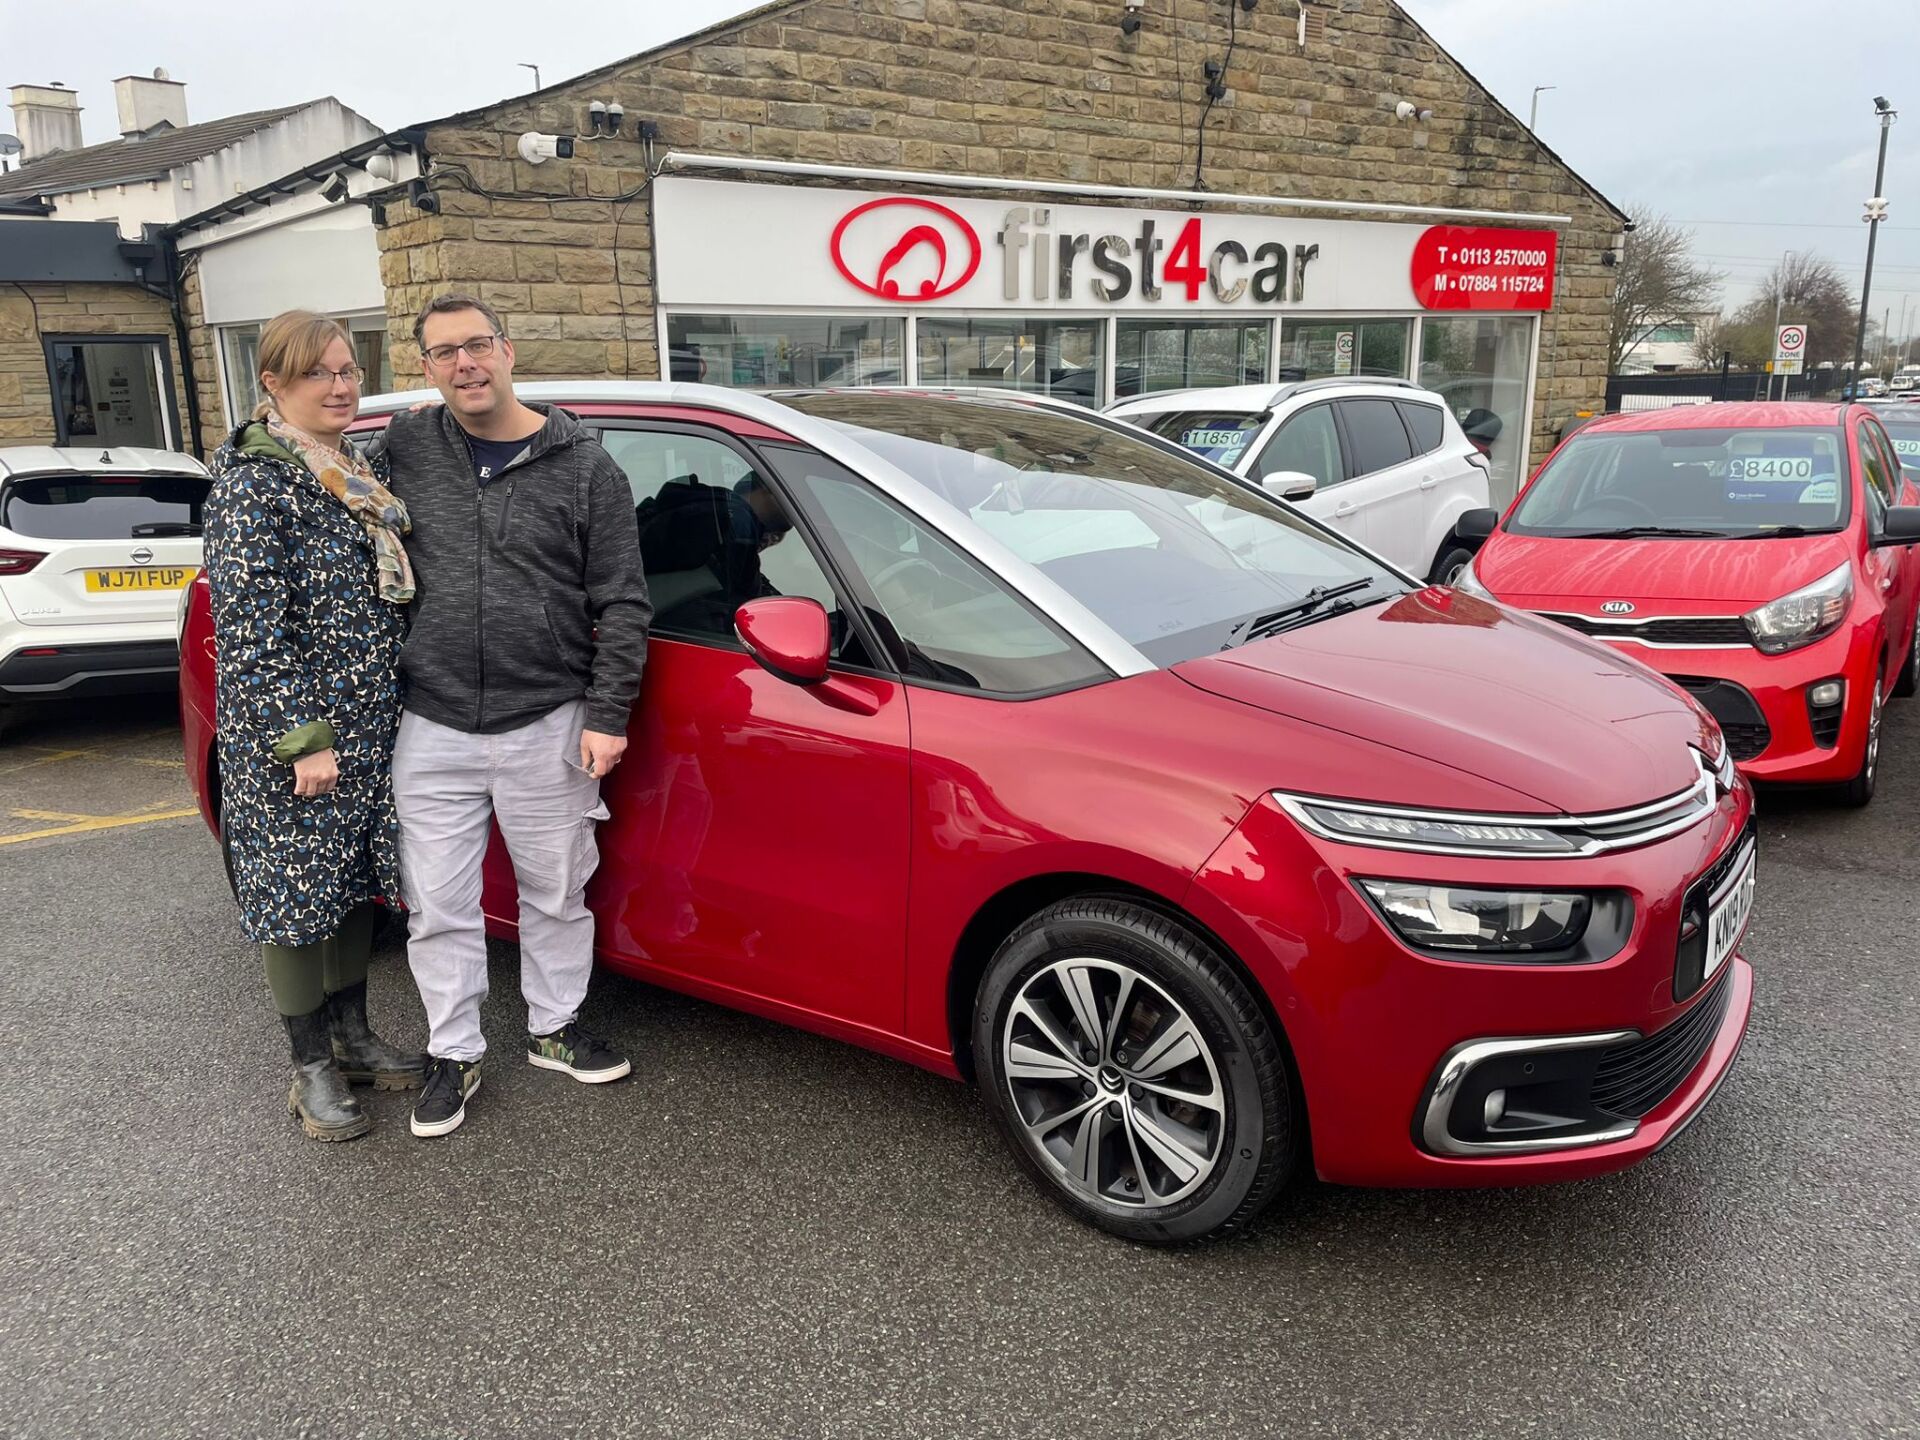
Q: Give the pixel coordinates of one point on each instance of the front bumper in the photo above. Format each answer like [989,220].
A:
[1378,1029]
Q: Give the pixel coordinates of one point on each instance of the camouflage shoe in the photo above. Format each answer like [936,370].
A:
[443,1100]
[572,1050]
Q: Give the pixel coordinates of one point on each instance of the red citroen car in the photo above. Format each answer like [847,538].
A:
[1032,749]
[1760,556]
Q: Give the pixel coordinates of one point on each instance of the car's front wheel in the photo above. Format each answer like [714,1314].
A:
[1859,790]
[1447,566]
[1133,1073]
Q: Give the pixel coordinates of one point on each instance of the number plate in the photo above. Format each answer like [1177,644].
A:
[156,577]
[1727,919]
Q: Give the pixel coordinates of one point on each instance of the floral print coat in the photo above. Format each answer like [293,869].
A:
[302,642]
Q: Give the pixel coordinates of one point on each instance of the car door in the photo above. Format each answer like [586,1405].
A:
[1308,441]
[758,836]
[1383,498]
[1450,484]
[1893,567]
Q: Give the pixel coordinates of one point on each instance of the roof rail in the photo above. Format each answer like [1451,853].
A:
[1300,386]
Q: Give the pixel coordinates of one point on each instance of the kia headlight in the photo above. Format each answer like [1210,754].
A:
[1453,918]
[1469,580]
[1808,614]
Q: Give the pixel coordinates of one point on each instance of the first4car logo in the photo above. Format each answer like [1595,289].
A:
[903,248]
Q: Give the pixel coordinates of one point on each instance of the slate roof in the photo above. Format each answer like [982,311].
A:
[122,161]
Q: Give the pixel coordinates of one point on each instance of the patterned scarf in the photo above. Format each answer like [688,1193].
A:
[380,512]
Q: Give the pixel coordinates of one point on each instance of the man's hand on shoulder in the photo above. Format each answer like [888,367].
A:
[599,753]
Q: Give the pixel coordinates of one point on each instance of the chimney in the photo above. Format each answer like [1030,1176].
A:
[46,118]
[147,105]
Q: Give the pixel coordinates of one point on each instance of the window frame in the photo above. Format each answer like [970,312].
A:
[170,432]
[804,523]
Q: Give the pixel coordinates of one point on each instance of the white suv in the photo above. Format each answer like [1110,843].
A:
[96,547]
[1382,461]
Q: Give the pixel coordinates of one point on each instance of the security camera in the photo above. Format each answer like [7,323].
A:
[1131,22]
[335,190]
[537,149]
[1405,110]
[1881,103]
[615,114]
[596,116]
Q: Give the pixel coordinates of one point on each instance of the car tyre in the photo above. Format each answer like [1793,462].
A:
[1133,1073]
[1859,790]
[1446,570]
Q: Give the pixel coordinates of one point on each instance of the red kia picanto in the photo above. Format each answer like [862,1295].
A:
[1760,556]
[1032,749]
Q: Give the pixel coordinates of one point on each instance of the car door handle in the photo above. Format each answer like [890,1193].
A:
[1428,483]
[1340,511]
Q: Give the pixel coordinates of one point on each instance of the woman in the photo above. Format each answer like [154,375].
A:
[309,582]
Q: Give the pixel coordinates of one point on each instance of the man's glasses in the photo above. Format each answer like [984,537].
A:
[321,375]
[478,348]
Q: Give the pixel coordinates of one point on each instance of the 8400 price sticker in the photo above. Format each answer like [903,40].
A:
[1771,467]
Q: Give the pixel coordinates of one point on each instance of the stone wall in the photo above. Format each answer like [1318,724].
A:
[1047,89]
[31,310]
[202,341]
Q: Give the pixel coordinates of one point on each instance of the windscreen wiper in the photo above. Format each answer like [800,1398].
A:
[1638,532]
[1275,621]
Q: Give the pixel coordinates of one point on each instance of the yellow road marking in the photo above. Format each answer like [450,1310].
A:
[102,822]
[47,757]
[53,815]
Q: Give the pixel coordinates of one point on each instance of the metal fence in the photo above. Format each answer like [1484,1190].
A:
[1658,392]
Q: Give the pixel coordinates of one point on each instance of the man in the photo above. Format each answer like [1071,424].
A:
[529,632]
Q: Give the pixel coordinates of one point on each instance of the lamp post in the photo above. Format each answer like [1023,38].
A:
[1876,212]
[1533,114]
[529,65]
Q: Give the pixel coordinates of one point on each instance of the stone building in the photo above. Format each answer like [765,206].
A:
[1294,122]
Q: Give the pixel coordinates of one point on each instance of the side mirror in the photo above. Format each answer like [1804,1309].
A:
[1290,484]
[1476,525]
[1902,527]
[788,636]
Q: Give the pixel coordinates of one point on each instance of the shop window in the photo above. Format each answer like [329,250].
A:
[1317,349]
[240,354]
[1152,355]
[109,392]
[769,351]
[1053,357]
[1478,365]
[369,334]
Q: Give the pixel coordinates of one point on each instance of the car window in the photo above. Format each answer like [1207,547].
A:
[104,507]
[1423,424]
[715,534]
[1746,483]
[1306,442]
[1904,433]
[1070,497]
[1881,486]
[1374,431]
[959,622]
[1221,436]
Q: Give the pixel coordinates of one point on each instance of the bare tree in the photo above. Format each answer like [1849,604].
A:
[1658,283]
[1810,291]
[1709,342]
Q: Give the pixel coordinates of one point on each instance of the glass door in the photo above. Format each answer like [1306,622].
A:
[109,392]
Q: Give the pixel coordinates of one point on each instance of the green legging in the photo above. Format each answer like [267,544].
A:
[302,976]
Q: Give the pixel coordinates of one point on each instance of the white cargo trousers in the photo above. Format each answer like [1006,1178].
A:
[447,784]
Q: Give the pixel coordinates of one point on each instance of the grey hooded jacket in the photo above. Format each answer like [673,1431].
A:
[530,591]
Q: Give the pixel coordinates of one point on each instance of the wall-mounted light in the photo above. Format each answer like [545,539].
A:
[1131,22]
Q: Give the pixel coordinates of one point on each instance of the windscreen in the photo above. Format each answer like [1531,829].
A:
[1700,483]
[1221,436]
[1169,553]
[104,507]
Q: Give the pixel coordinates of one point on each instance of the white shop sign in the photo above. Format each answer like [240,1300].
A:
[726,245]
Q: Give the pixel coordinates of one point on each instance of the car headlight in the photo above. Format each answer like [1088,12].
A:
[1448,917]
[1469,580]
[1808,614]
[1435,833]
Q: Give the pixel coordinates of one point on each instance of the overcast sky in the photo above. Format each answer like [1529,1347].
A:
[1749,120]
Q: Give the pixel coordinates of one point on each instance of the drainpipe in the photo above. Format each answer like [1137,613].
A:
[170,255]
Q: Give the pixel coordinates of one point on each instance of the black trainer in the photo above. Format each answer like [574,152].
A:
[571,1050]
[443,1101]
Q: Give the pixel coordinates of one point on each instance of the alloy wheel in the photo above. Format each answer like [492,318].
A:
[1116,1088]
[1873,727]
